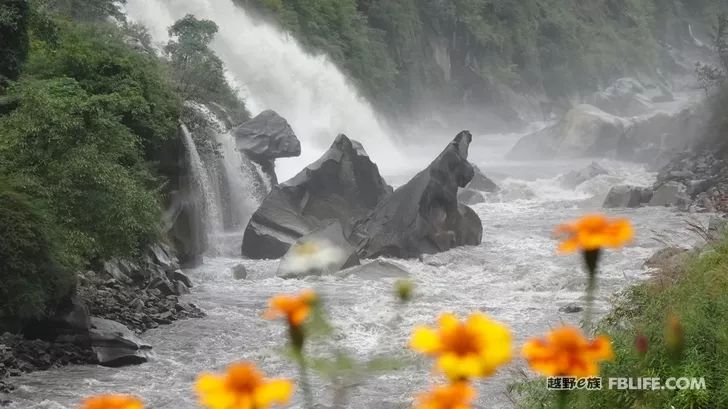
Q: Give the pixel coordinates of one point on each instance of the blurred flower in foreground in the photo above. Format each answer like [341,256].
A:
[242,387]
[473,348]
[294,308]
[458,395]
[404,289]
[312,257]
[641,343]
[674,337]
[594,232]
[112,402]
[566,352]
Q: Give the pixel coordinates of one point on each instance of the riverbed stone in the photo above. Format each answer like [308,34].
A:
[115,345]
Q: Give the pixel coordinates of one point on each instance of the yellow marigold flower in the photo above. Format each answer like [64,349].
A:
[593,232]
[294,308]
[458,395]
[242,387]
[566,352]
[111,402]
[472,348]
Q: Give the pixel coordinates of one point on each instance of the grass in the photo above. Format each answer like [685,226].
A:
[695,291]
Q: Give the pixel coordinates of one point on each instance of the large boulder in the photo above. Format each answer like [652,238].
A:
[584,131]
[115,345]
[343,185]
[266,138]
[423,216]
[577,177]
[324,251]
[627,196]
[670,194]
[625,97]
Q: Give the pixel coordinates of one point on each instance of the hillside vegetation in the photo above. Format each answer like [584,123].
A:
[402,52]
[88,117]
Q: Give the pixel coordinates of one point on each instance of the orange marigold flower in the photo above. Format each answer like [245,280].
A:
[111,402]
[458,395]
[295,308]
[593,232]
[242,387]
[472,348]
[566,352]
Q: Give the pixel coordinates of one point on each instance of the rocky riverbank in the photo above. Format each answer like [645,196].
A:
[100,323]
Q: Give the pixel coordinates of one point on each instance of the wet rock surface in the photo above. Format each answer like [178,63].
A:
[577,177]
[343,185]
[100,324]
[423,216]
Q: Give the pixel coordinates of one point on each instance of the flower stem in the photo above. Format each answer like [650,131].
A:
[562,401]
[591,258]
[305,385]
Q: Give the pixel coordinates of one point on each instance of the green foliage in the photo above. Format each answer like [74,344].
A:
[14,20]
[85,10]
[88,120]
[33,279]
[397,50]
[86,164]
[198,73]
[698,297]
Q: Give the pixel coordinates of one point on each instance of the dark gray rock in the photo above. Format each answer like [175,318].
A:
[627,196]
[577,177]
[423,216]
[115,345]
[571,309]
[178,275]
[470,196]
[343,185]
[376,270]
[333,253]
[481,182]
[670,194]
[267,136]
[239,272]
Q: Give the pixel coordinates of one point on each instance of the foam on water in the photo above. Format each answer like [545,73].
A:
[514,275]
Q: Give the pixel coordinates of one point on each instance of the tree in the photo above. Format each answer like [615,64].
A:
[198,73]
[14,21]
[712,78]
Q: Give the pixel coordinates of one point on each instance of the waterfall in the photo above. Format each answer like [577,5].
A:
[272,71]
[201,178]
[237,187]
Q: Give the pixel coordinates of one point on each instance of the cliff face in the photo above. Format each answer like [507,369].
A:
[502,62]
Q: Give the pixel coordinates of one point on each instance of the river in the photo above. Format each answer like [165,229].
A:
[514,275]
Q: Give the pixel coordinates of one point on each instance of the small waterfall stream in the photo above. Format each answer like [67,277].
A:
[201,178]
[231,184]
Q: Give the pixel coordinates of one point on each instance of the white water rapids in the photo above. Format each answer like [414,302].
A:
[514,276]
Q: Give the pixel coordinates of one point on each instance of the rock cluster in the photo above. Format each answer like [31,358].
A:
[696,182]
[342,199]
[19,355]
[99,324]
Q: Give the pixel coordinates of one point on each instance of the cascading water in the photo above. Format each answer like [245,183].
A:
[275,73]
[201,178]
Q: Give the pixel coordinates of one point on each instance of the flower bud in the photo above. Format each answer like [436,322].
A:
[641,343]
[404,289]
[674,337]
